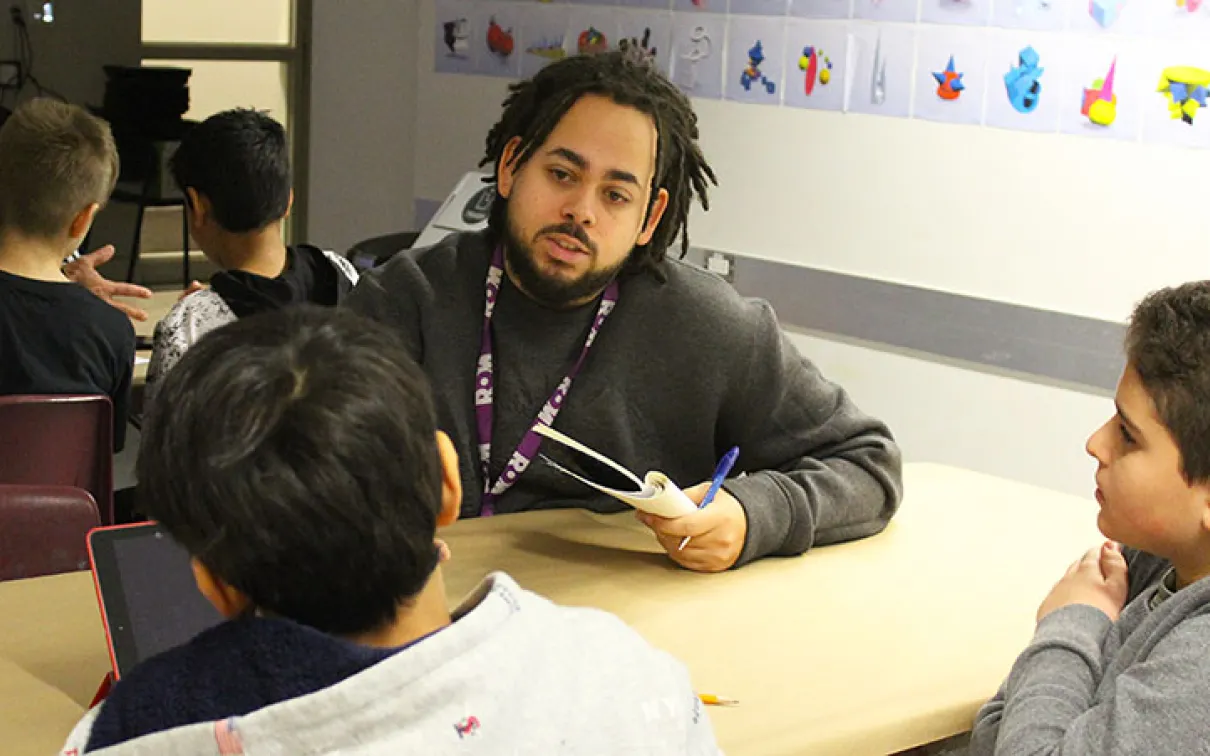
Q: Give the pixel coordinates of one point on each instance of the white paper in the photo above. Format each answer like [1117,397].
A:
[650,32]
[879,79]
[816,64]
[1030,14]
[934,49]
[454,32]
[886,10]
[755,53]
[654,494]
[698,46]
[1111,16]
[1034,102]
[543,37]
[1133,87]
[1158,123]
[961,12]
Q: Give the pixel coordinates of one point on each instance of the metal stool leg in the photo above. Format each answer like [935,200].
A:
[185,246]
[134,245]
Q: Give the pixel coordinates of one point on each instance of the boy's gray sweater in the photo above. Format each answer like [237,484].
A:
[514,674]
[1086,685]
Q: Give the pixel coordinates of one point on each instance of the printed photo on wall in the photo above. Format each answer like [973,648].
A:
[456,30]
[1023,72]
[755,51]
[1103,89]
[949,75]
[1180,19]
[961,12]
[706,6]
[879,78]
[496,52]
[816,64]
[902,11]
[649,32]
[821,8]
[1109,16]
[592,31]
[759,7]
[697,53]
[543,37]
[1175,111]
[1043,15]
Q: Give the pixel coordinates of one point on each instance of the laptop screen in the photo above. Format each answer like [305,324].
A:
[149,600]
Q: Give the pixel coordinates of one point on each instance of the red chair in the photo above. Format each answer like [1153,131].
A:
[59,441]
[44,530]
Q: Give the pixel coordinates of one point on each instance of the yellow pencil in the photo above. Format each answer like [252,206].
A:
[710,700]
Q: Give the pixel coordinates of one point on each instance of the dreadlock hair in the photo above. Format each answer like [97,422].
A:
[534,107]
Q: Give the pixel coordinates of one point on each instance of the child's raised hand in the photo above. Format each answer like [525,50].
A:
[1097,579]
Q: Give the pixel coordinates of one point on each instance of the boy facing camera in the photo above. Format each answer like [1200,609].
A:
[1118,663]
[58,166]
[295,455]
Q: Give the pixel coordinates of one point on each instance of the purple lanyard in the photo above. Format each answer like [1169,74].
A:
[485,392]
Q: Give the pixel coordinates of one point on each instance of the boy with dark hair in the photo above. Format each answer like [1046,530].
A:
[234,169]
[296,456]
[1118,663]
[58,166]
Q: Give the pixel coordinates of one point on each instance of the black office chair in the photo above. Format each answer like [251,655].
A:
[375,251]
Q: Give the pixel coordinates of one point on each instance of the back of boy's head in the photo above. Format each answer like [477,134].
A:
[240,160]
[56,159]
[293,453]
[1168,346]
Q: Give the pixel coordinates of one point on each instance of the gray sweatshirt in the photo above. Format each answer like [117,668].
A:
[680,372]
[514,674]
[1086,685]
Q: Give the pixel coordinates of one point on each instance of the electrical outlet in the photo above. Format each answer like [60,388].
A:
[721,263]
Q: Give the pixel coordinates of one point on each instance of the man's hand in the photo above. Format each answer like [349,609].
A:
[1098,579]
[84,272]
[718,531]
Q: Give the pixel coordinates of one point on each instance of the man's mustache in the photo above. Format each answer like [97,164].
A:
[575,231]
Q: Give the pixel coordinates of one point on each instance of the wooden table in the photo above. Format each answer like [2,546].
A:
[869,647]
[156,308]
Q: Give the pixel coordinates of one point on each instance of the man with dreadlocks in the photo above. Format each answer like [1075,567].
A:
[566,311]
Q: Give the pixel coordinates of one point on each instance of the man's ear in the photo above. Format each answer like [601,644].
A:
[1202,491]
[230,602]
[451,482]
[506,171]
[83,221]
[653,218]
[289,204]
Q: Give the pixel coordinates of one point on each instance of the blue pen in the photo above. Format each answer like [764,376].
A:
[720,474]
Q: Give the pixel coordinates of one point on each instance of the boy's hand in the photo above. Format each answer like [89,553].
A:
[83,271]
[1097,579]
[194,286]
[718,531]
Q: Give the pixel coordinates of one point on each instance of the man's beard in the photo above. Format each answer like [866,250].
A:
[551,291]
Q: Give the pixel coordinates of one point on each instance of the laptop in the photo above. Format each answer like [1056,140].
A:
[148,599]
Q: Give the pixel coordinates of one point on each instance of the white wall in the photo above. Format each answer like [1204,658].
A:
[363,99]
[940,412]
[69,54]
[1051,221]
